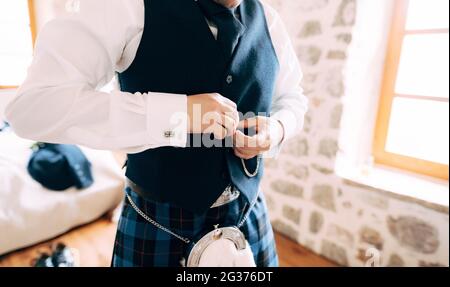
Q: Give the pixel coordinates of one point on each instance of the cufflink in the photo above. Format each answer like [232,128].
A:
[169,134]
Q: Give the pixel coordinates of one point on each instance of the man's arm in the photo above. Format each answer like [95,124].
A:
[74,55]
[289,104]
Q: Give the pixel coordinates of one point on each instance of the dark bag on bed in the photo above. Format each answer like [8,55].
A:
[59,167]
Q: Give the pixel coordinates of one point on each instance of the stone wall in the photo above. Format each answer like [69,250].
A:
[343,221]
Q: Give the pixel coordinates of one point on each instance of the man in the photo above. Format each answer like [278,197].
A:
[207,88]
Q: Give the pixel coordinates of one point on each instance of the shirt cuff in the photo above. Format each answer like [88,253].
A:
[289,122]
[167,119]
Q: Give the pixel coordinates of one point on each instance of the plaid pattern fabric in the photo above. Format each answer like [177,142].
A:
[140,244]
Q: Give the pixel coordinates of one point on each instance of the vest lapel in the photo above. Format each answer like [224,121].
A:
[243,11]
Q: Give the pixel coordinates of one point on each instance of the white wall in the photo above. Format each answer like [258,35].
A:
[351,223]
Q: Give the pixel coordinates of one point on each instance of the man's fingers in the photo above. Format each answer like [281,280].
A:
[240,139]
[229,109]
[219,131]
[229,124]
[232,113]
[258,149]
[247,152]
[244,155]
[227,106]
[220,125]
[263,140]
[228,102]
[248,123]
[259,142]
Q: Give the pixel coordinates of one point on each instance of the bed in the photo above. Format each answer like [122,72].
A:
[30,214]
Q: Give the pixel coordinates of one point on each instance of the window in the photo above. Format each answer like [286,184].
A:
[412,130]
[18,32]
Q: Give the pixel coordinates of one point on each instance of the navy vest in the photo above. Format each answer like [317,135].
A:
[179,54]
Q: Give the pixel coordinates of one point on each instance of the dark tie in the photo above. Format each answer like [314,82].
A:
[230,28]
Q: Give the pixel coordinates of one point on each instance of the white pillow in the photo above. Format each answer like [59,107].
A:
[30,214]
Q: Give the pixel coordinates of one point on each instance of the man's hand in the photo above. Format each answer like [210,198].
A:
[212,113]
[269,133]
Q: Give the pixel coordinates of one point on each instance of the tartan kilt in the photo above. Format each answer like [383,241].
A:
[139,243]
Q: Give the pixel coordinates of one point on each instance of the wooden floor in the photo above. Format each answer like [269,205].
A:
[291,254]
[94,242]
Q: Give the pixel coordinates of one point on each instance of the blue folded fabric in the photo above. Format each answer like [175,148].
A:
[59,167]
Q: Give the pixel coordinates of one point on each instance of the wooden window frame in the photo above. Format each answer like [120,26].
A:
[381,156]
[33,31]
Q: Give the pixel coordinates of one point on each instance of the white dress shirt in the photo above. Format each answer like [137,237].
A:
[78,53]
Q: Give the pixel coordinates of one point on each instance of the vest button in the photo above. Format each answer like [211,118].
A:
[229,79]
